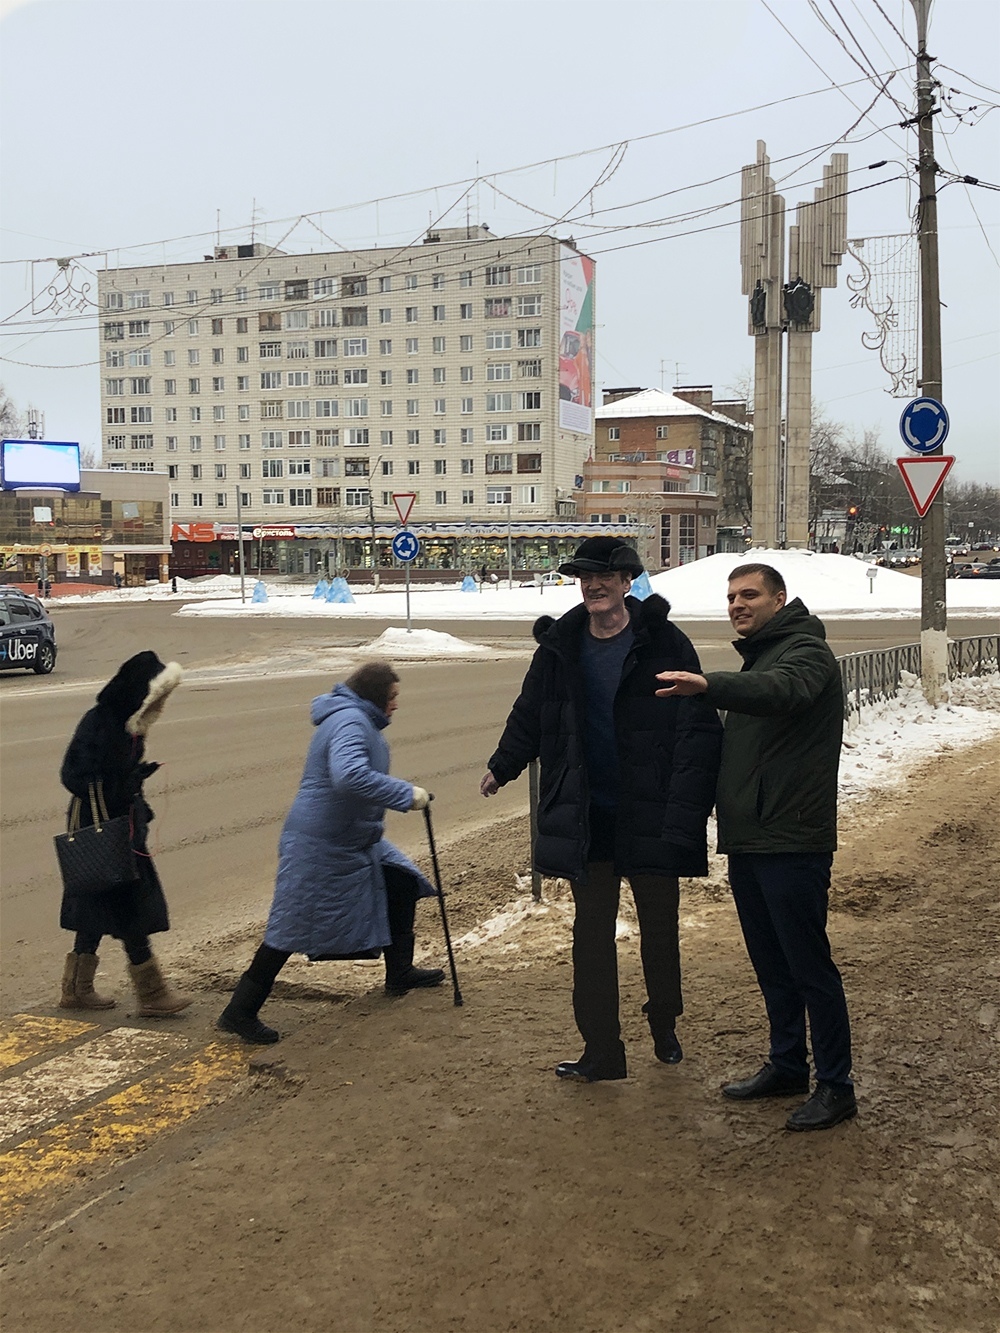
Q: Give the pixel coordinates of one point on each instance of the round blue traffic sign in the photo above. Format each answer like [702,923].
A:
[924,425]
[405,546]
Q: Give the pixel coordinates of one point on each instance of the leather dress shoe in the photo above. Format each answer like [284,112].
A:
[592,1068]
[828,1106]
[668,1048]
[769,1081]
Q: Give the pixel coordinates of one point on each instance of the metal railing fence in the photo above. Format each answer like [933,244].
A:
[873,676]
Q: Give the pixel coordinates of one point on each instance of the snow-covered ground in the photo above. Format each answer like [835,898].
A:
[834,586]
[887,738]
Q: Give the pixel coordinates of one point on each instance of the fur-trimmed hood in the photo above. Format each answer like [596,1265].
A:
[139,689]
[648,615]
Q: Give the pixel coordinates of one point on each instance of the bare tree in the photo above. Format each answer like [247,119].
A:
[11,420]
[90,456]
[736,500]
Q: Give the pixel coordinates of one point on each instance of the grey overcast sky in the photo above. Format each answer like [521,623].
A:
[133,128]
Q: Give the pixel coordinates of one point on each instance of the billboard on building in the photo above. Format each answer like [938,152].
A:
[40,465]
[576,342]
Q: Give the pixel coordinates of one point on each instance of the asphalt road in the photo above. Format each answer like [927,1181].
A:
[232,741]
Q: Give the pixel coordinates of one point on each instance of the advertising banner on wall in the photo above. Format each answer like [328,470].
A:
[576,342]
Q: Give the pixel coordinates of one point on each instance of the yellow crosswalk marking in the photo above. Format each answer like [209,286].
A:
[96,1140]
[50,1089]
[26,1035]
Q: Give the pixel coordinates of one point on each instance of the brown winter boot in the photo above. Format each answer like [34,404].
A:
[78,984]
[153,991]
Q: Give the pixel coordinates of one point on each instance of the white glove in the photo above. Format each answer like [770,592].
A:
[421,799]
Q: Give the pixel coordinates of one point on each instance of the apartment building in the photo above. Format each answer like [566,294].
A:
[318,385]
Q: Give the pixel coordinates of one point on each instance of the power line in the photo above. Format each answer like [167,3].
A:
[892,25]
[651,240]
[471,182]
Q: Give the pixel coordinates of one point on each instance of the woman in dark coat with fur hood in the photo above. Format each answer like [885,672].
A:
[108,747]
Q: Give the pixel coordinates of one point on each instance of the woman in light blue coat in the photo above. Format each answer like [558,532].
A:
[342,890]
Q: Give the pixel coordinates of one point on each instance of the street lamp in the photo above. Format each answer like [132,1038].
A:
[510,552]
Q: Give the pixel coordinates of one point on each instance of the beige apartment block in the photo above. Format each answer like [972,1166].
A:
[304,379]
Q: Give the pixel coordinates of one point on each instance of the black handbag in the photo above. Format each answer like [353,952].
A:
[98,858]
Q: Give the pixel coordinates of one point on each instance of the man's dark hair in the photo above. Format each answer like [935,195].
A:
[373,681]
[773,581]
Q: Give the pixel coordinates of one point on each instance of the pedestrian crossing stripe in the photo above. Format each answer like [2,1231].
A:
[26,1036]
[30,1099]
[94,1141]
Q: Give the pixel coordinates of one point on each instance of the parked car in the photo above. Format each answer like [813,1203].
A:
[984,546]
[27,634]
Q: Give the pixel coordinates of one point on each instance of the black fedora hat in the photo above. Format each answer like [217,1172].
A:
[601,555]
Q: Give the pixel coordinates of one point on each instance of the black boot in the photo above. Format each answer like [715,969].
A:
[661,1025]
[240,1014]
[595,1066]
[400,974]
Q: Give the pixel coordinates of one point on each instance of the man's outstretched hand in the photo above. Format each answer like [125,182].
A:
[680,683]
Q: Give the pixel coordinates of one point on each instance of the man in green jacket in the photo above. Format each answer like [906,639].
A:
[776,807]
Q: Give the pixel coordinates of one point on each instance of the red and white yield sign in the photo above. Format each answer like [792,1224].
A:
[403,500]
[924,477]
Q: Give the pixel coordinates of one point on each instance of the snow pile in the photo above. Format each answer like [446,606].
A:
[401,643]
[830,585]
[880,750]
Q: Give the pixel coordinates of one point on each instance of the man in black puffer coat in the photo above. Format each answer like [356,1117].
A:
[626,789]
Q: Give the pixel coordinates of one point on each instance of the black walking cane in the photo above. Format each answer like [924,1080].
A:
[440,897]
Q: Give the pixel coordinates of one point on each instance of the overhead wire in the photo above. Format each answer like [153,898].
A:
[652,240]
[603,176]
[900,35]
[471,181]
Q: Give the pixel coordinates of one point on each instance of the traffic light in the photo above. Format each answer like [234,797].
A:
[852,511]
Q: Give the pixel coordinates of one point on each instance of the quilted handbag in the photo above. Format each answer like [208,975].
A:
[98,858]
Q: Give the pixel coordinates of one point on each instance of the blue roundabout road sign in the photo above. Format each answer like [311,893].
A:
[924,425]
[405,546]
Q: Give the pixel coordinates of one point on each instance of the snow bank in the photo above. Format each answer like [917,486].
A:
[830,585]
[400,643]
[880,750]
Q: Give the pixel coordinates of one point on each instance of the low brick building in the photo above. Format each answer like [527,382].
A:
[657,462]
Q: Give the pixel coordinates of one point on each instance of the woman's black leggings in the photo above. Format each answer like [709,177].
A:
[401,892]
[136,946]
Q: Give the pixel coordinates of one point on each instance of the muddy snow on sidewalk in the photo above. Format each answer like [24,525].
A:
[412,1167]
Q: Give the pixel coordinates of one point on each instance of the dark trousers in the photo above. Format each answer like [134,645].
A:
[401,904]
[136,947]
[595,956]
[782,903]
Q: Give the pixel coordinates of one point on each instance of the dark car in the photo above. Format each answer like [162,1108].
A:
[27,635]
[976,571]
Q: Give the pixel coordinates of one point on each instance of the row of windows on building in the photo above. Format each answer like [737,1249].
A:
[494,307]
[274,469]
[301,409]
[351,497]
[527,368]
[299,289]
[526,432]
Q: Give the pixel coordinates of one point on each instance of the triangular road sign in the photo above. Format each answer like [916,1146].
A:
[924,477]
[403,500]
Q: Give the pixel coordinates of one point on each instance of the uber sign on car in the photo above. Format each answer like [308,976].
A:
[27,635]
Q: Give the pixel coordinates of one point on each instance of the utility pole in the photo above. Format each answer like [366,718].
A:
[239,538]
[933,603]
[371,518]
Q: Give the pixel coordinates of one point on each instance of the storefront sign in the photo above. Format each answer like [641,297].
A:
[192,532]
[274,533]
